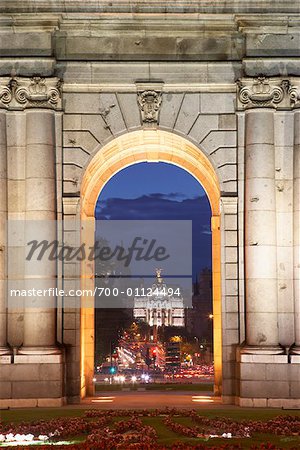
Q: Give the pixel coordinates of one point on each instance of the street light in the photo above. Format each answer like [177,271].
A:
[211,316]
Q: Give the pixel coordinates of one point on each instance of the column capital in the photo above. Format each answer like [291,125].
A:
[19,93]
[294,92]
[263,92]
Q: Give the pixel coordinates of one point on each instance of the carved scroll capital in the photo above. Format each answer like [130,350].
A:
[294,93]
[263,92]
[19,93]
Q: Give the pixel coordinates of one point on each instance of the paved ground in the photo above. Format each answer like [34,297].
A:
[150,399]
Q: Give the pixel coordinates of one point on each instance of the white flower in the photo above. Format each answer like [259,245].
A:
[29,437]
[18,437]
[9,437]
[227,435]
[43,437]
[2,437]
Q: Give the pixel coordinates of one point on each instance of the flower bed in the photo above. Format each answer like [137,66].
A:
[99,430]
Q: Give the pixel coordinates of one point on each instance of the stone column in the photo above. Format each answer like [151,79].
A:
[296,232]
[40,206]
[260,233]
[3,234]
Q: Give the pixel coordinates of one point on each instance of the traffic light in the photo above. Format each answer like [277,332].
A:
[154,354]
[112,370]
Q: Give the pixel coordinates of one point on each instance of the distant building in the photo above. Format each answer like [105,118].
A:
[160,309]
[198,321]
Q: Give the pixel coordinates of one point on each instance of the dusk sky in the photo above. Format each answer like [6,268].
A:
[160,191]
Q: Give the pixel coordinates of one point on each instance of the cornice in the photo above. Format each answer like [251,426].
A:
[153,6]
[189,22]
[267,23]
[29,22]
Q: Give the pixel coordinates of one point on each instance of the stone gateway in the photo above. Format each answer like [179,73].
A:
[88,88]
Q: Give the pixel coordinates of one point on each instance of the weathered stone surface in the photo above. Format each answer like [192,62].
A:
[129,108]
[81,103]
[271,67]
[137,45]
[217,139]
[203,126]
[36,389]
[5,388]
[169,110]
[231,303]
[188,113]
[269,44]
[217,103]
[263,389]
[36,44]
[19,403]
[230,222]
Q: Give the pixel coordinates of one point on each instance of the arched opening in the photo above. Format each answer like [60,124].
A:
[144,146]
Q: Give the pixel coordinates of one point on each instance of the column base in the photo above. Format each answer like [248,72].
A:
[33,402]
[284,403]
[51,350]
[33,380]
[5,351]
[295,350]
[267,379]
[260,350]
[5,355]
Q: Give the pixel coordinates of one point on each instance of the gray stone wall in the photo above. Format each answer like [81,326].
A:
[91,120]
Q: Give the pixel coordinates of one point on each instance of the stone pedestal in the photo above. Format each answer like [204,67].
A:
[268,381]
[33,380]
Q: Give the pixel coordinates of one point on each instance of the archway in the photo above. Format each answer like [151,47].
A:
[142,146]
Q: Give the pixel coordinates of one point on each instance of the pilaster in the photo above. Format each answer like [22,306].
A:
[3,239]
[32,103]
[264,374]
[296,223]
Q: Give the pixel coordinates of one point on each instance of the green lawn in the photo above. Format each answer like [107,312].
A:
[29,414]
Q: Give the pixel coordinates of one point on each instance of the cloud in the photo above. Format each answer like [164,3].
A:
[154,206]
[166,207]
